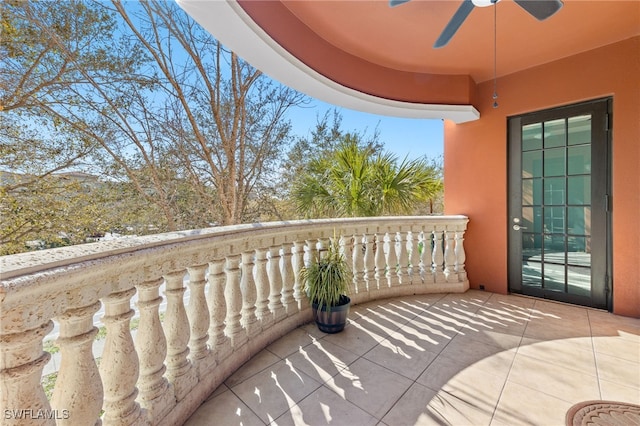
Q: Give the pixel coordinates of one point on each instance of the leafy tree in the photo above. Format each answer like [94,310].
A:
[158,103]
[358,181]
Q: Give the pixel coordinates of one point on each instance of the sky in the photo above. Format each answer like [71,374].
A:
[408,137]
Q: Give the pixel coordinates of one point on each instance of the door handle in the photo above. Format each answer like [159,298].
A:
[517,227]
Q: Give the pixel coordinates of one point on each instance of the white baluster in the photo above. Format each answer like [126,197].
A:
[449,258]
[298,287]
[176,324]
[427,257]
[275,284]
[460,256]
[198,314]
[78,386]
[261,278]
[219,343]
[438,257]
[155,395]
[119,363]
[248,290]
[21,363]
[380,262]
[392,259]
[403,259]
[357,259]
[369,263]
[288,301]
[233,296]
[414,257]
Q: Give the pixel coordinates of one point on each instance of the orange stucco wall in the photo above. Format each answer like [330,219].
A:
[476,160]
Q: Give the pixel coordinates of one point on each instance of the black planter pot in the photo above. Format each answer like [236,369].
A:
[333,319]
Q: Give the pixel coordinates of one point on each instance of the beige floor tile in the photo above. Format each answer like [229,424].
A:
[225,409]
[422,406]
[274,390]
[618,370]
[357,337]
[324,407]
[415,304]
[560,382]
[369,386]
[402,353]
[322,360]
[290,343]
[504,338]
[413,408]
[467,343]
[520,405]
[607,324]
[553,330]
[563,353]
[257,363]
[468,351]
[618,347]
[483,379]
[612,391]
[433,333]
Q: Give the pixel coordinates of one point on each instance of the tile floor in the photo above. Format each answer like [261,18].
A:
[472,359]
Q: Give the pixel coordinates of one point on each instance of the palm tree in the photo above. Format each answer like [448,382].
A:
[358,181]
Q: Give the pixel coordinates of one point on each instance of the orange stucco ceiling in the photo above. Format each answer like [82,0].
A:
[402,37]
[371,53]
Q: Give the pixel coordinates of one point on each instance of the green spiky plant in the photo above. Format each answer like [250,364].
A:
[326,278]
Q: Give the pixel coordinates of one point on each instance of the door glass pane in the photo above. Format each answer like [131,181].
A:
[579,220]
[531,164]
[554,220]
[554,162]
[579,281]
[579,129]
[579,253]
[579,265]
[554,191]
[531,192]
[554,133]
[532,136]
[579,190]
[579,160]
[532,218]
[554,276]
[531,273]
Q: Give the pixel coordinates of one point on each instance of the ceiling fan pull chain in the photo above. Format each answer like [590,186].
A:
[495,53]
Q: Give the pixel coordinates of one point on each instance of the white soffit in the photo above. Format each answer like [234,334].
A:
[228,23]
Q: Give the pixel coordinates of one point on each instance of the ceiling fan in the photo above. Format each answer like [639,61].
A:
[539,9]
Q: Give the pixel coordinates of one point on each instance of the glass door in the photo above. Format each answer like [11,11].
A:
[559,204]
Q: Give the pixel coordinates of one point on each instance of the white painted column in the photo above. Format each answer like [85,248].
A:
[261,278]
[176,324]
[248,289]
[78,385]
[219,343]
[198,315]
[288,281]
[119,362]
[155,394]
[22,360]
[275,284]
[233,296]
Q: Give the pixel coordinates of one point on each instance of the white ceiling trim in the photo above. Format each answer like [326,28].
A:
[230,24]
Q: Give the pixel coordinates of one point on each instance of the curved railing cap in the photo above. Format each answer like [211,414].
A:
[12,266]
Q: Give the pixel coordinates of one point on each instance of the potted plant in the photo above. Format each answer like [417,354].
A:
[326,282]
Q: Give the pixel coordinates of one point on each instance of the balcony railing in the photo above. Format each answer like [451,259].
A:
[244,292]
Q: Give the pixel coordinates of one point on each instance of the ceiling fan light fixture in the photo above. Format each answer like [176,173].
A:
[483,3]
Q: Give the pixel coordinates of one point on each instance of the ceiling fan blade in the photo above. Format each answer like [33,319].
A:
[394,3]
[458,18]
[540,9]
